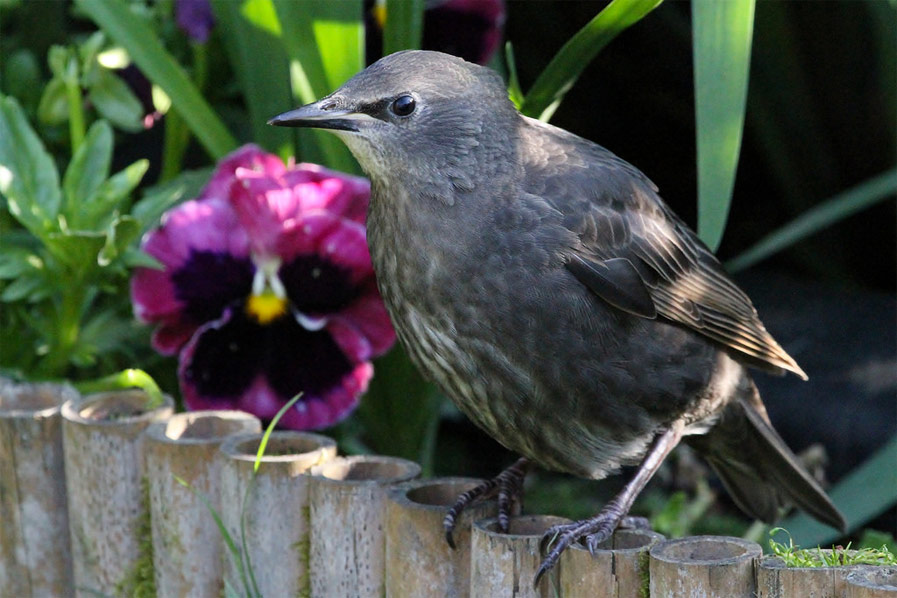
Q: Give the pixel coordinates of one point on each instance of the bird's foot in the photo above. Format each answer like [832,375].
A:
[507,486]
[595,531]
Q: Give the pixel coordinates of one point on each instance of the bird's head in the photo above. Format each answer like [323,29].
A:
[421,115]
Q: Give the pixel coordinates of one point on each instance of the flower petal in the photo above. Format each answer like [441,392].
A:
[368,315]
[249,156]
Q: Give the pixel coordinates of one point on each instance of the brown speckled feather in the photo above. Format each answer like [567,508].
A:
[618,214]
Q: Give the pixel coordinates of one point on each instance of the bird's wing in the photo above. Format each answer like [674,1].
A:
[637,255]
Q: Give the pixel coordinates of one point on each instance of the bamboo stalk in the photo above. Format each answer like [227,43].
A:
[505,565]
[35,557]
[419,560]
[348,523]
[705,566]
[103,443]
[271,506]
[872,582]
[187,544]
[617,569]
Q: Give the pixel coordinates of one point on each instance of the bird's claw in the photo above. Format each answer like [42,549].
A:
[594,531]
[507,485]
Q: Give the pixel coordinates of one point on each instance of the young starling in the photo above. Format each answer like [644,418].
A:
[547,289]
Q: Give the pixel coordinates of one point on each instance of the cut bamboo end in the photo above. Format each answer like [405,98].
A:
[187,544]
[872,582]
[348,522]
[35,557]
[419,560]
[271,507]
[103,443]
[505,565]
[777,580]
[618,568]
[706,566]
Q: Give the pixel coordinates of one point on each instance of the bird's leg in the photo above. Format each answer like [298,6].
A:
[507,485]
[599,528]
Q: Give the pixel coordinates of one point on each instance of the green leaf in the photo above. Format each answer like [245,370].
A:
[404,25]
[76,249]
[160,198]
[722,34]
[252,36]
[86,172]
[565,68]
[31,286]
[28,176]
[120,23]
[862,495]
[115,101]
[53,108]
[22,77]
[839,207]
[122,232]
[514,92]
[112,193]
[15,261]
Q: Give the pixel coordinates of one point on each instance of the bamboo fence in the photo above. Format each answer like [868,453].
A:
[90,505]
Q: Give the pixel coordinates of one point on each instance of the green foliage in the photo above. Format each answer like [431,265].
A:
[565,68]
[73,249]
[837,556]
[722,54]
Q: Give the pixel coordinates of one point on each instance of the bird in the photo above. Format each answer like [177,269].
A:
[546,288]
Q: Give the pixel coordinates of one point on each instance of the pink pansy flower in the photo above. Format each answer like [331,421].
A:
[267,291]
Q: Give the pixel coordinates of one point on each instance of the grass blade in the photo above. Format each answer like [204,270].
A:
[565,68]
[722,33]
[252,37]
[876,189]
[264,443]
[404,25]
[863,494]
[116,19]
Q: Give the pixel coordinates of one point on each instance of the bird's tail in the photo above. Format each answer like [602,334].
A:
[760,472]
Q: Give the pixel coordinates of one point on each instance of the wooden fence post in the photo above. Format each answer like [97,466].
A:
[505,565]
[103,440]
[271,507]
[706,566]
[419,560]
[348,523]
[35,556]
[872,582]
[618,569]
[186,542]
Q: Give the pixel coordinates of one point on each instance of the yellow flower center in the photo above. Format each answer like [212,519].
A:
[266,307]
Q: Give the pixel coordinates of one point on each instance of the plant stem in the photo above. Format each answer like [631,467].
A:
[67,330]
[77,128]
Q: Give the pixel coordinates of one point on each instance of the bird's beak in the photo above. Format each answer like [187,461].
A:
[323,114]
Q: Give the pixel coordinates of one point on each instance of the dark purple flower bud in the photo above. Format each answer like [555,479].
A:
[195,18]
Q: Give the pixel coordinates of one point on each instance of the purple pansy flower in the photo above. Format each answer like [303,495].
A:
[195,18]
[267,291]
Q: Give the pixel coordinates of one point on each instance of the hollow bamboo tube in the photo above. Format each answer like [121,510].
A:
[347,497]
[271,507]
[419,560]
[872,582]
[777,580]
[705,566]
[103,443]
[618,568]
[505,565]
[35,558]
[187,544]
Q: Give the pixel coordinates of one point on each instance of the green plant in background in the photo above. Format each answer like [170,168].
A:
[67,265]
[837,556]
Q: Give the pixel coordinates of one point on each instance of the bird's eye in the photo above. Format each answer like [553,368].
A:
[403,105]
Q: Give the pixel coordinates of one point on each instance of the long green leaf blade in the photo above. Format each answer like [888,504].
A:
[312,75]
[404,25]
[722,33]
[866,194]
[567,65]
[252,35]
[145,49]
[86,172]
